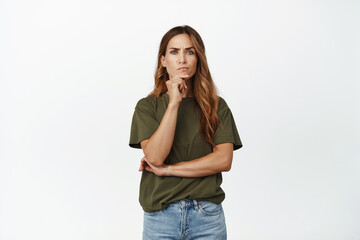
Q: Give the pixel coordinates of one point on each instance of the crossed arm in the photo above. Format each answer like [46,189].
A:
[158,146]
[218,161]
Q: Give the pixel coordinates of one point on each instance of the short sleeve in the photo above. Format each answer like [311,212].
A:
[144,123]
[227,131]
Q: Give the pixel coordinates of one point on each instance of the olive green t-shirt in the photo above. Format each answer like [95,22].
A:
[157,192]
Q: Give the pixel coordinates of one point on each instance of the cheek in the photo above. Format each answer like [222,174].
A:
[194,63]
[171,62]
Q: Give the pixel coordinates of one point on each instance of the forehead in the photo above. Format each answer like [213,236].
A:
[181,40]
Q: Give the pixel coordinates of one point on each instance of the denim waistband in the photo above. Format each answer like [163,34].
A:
[185,203]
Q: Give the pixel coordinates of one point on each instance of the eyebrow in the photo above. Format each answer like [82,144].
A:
[179,48]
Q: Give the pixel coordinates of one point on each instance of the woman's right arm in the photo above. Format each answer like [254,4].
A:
[158,146]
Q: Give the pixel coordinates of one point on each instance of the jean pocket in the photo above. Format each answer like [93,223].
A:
[210,208]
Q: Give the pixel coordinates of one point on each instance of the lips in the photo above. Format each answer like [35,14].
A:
[183,68]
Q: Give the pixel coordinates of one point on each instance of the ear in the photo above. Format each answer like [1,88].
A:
[162,59]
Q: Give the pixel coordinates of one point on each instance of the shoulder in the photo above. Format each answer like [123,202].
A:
[222,105]
[147,102]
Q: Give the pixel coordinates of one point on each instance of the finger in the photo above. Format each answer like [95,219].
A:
[179,76]
[183,76]
[142,163]
[180,87]
[149,165]
[149,169]
[141,168]
[184,83]
[176,81]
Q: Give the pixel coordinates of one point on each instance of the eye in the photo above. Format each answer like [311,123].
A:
[172,51]
[191,52]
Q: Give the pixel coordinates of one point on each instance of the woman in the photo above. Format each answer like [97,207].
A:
[188,135]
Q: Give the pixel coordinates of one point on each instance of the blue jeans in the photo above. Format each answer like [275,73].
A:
[186,219]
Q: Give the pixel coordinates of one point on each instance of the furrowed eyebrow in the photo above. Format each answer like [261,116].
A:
[179,48]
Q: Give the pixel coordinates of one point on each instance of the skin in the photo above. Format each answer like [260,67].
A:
[219,160]
[180,52]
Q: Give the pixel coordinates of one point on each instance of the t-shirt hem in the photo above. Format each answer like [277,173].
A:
[236,146]
[210,199]
[135,145]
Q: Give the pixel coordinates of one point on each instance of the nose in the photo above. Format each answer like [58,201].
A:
[182,57]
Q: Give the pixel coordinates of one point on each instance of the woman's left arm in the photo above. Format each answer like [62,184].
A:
[219,160]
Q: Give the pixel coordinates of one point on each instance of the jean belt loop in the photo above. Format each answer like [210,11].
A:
[195,205]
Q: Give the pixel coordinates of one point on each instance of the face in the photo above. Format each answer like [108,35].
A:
[180,56]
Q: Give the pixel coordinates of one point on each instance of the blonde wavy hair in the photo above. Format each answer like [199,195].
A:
[204,90]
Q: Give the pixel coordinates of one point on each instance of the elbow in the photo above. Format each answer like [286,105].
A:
[224,156]
[157,162]
[227,168]
[227,164]
[152,157]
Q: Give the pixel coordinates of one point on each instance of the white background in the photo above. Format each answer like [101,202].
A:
[72,71]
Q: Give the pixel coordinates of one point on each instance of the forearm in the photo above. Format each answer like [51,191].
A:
[208,165]
[158,146]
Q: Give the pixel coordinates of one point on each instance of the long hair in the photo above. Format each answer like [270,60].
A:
[203,86]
